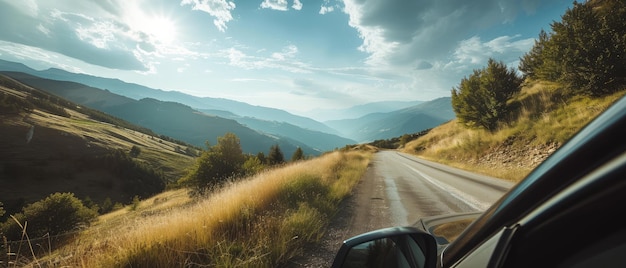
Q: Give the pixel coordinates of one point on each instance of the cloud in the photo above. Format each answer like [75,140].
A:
[297,5]
[27,7]
[284,60]
[473,51]
[281,5]
[100,41]
[220,10]
[406,32]
[326,9]
[275,4]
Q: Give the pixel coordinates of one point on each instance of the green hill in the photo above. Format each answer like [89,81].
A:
[52,145]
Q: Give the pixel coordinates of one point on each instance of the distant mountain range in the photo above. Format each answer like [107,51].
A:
[377,126]
[379,120]
[137,92]
[358,111]
[166,118]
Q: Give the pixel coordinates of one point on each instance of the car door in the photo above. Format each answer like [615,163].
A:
[581,226]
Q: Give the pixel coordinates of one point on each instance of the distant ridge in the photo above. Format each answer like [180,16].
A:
[137,92]
[377,126]
[167,118]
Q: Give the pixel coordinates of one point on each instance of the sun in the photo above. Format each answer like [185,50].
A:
[158,26]
[161,28]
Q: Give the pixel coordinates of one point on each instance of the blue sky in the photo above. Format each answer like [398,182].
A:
[296,55]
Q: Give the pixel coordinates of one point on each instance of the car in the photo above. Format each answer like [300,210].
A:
[568,212]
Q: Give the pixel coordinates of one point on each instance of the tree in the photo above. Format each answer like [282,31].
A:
[481,99]
[297,155]
[217,163]
[531,62]
[261,157]
[594,47]
[586,50]
[229,149]
[275,156]
[253,165]
[107,205]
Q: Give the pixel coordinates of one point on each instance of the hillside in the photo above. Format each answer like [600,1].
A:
[137,92]
[52,145]
[167,118]
[544,120]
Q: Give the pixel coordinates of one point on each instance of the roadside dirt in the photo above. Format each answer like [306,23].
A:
[365,210]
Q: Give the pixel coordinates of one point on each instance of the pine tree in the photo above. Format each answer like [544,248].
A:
[275,156]
[297,155]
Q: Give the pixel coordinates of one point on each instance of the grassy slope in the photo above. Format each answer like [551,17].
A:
[51,161]
[261,221]
[542,121]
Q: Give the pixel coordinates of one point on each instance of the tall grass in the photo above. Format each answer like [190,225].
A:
[262,221]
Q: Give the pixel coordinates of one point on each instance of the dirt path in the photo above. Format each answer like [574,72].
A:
[365,210]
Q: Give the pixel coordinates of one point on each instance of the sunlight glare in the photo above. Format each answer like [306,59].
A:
[161,28]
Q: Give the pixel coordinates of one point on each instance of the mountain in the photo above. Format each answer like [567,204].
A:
[137,92]
[376,126]
[382,120]
[166,118]
[50,144]
[316,139]
[360,110]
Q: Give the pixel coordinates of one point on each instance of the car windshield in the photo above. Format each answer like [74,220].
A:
[264,133]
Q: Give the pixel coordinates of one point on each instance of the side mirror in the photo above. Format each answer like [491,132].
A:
[389,247]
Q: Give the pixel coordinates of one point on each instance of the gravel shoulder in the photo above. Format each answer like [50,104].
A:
[366,209]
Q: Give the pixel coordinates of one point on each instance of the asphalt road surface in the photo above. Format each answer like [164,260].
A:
[399,189]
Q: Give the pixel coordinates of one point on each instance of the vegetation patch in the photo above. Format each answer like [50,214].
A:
[515,148]
[259,221]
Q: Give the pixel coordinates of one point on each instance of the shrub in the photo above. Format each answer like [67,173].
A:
[481,99]
[134,151]
[217,164]
[56,214]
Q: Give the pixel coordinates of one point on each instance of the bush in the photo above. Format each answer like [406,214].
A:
[57,214]
[481,99]
[134,151]
[217,164]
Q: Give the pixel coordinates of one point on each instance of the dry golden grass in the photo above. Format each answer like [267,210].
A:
[261,221]
[543,119]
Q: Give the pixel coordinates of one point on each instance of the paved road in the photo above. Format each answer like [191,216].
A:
[416,188]
[399,189]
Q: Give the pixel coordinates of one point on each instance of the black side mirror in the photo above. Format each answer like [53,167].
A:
[389,247]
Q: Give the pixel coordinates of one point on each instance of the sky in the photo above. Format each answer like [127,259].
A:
[295,55]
